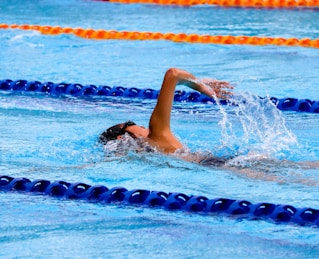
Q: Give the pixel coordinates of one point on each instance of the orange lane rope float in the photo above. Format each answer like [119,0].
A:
[175,37]
[229,3]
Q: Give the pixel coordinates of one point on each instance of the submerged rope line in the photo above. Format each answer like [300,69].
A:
[278,213]
[229,3]
[175,37]
[78,90]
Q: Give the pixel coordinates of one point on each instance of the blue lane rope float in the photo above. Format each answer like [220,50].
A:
[78,90]
[278,213]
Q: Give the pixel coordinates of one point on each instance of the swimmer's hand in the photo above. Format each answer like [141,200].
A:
[208,86]
[216,88]
[212,87]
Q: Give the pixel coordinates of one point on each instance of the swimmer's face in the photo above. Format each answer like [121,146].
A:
[137,131]
[116,131]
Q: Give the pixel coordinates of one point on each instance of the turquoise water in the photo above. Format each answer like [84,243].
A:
[55,138]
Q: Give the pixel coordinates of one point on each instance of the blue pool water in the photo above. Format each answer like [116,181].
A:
[56,138]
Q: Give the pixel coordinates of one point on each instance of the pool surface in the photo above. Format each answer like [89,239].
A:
[55,138]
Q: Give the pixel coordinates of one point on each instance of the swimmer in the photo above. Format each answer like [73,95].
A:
[159,134]
[160,137]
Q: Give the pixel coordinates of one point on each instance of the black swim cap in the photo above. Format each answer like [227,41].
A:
[113,132]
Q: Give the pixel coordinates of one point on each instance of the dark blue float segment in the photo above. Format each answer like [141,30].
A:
[156,199]
[5,84]
[76,191]
[261,210]
[171,201]
[195,204]
[315,107]
[8,183]
[136,196]
[115,194]
[283,213]
[302,105]
[306,216]
[57,188]
[78,90]
[38,186]
[176,201]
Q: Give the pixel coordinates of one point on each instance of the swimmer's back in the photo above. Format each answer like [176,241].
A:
[213,161]
[202,158]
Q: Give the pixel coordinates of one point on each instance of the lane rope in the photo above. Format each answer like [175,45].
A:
[173,201]
[228,3]
[93,91]
[175,37]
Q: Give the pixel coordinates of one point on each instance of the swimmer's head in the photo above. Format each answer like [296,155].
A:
[115,131]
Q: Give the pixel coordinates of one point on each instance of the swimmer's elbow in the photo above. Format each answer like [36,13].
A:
[172,70]
[172,73]
[179,75]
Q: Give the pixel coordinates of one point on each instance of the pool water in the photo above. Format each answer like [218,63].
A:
[56,138]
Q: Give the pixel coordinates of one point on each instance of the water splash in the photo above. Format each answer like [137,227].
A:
[257,129]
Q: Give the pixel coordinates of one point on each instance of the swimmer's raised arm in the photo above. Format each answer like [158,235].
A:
[159,124]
